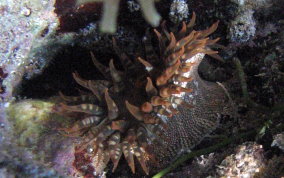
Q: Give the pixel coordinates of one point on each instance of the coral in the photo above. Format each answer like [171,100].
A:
[110,12]
[112,124]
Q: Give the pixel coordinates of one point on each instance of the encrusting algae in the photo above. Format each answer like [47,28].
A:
[29,118]
[137,111]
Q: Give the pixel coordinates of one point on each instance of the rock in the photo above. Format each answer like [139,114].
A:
[26,25]
[34,134]
[243,27]
[178,11]
[278,140]
[247,161]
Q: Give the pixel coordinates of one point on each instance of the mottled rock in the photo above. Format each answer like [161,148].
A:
[243,27]
[248,160]
[199,167]
[278,141]
[255,4]
[26,25]
[35,131]
[178,11]
[274,168]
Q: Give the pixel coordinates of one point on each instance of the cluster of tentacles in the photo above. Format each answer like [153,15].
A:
[128,110]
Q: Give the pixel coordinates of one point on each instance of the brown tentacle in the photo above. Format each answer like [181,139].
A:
[96,87]
[124,59]
[103,69]
[135,111]
[84,108]
[112,107]
[192,21]
[150,89]
[115,149]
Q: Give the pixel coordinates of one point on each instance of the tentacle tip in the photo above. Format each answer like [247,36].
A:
[92,54]
[75,75]
[134,110]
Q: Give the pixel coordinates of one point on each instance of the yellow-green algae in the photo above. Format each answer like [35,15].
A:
[31,119]
[35,127]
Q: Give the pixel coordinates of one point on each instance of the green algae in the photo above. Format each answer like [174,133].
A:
[33,126]
[31,120]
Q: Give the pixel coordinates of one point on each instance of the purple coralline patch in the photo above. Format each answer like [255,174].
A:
[64,159]
[22,25]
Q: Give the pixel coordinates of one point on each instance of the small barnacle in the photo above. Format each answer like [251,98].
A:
[130,109]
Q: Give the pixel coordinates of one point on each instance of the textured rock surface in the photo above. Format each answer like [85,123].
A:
[246,162]
[32,141]
[26,25]
[243,27]
[278,141]
[178,11]
[273,168]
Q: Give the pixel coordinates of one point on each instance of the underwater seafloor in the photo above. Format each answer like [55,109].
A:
[43,41]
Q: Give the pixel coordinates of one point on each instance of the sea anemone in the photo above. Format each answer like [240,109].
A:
[131,108]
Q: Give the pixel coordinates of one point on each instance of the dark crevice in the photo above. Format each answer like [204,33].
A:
[58,75]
